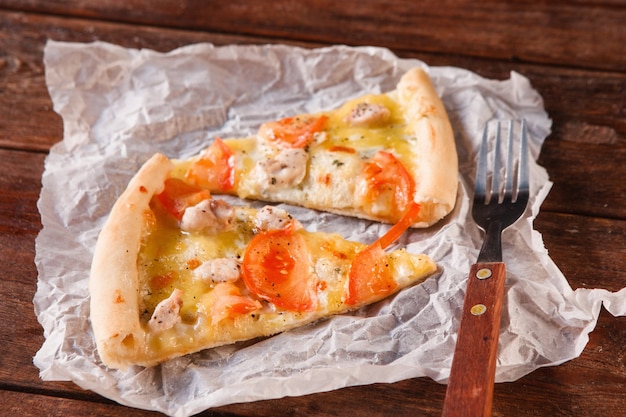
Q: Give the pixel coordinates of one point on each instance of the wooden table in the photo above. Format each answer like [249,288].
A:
[573,52]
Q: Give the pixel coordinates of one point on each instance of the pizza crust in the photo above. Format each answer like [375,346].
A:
[114,278]
[435,156]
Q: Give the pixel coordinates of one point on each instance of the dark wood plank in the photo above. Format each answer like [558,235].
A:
[582,221]
[22,336]
[24,102]
[556,33]
[589,188]
[587,107]
[23,404]
[19,225]
[29,121]
[20,184]
[587,250]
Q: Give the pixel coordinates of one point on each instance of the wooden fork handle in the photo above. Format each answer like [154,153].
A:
[470,387]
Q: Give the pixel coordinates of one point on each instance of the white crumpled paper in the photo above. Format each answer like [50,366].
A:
[119,106]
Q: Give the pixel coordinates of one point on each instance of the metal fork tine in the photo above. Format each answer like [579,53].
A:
[523,185]
[508,190]
[480,188]
[496,182]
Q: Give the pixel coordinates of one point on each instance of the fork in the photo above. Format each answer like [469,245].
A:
[500,199]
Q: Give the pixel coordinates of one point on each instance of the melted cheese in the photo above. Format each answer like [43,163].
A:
[168,257]
[391,136]
[335,158]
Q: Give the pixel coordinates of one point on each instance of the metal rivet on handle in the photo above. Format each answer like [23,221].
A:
[483,273]
[478,309]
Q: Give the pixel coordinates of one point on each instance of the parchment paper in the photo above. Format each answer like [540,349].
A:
[119,106]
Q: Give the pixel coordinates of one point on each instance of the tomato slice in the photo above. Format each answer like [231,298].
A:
[177,195]
[276,268]
[293,132]
[399,228]
[215,169]
[369,276]
[226,300]
[385,177]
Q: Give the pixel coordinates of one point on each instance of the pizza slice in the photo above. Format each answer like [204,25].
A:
[382,157]
[176,271]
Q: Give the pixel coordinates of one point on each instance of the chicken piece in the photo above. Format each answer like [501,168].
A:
[368,115]
[167,313]
[273,218]
[218,270]
[208,215]
[286,169]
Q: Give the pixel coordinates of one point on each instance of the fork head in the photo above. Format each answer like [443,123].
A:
[502,184]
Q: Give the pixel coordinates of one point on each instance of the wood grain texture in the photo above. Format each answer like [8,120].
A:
[26,404]
[472,377]
[572,52]
[555,33]
[588,108]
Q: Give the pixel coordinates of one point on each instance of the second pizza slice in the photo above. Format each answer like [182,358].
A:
[378,157]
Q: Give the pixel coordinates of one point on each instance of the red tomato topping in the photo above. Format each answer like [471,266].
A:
[161,281]
[215,169]
[178,195]
[339,148]
[399,228]
[370,275]
[227,300]
[276,268]
[385,174]
[293,132]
